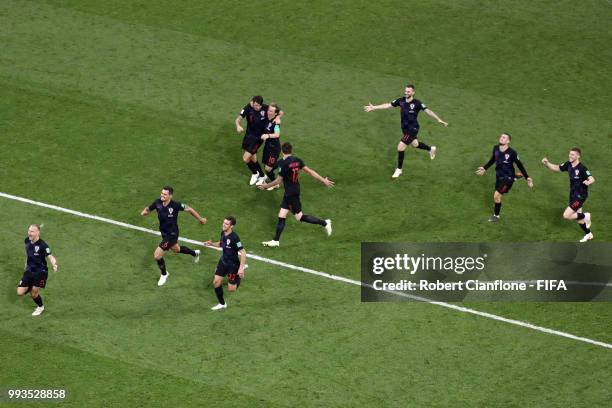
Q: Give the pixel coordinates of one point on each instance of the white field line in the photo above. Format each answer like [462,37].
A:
[322,274]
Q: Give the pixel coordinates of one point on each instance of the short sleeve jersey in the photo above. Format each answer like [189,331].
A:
[230,245]
[168,215]
[289,171]
[256,120]
[577,175]
[37,253]
[409,111]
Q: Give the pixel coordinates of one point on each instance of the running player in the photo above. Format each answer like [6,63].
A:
[409,109]
[255,114]
[36,272]
[167,213]
[272,147]
[290,167]
[229,265]
[504,158]
[580,179]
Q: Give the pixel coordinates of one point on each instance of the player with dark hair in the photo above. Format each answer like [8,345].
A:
[409,110]
[36,272]
[504,158]
[229,265]
[167,213]
[272,147]
[580,179]
[290,167]
[255,114]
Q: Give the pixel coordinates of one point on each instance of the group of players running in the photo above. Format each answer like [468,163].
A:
[263,126]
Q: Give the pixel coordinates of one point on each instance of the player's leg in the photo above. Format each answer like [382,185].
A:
[258,170]
[38,300]
[401,151]
[23,290]
[161,263]
[233,281]
[25,284]
[270,155]
[296,209]
[574,212]
[182,249]
[497,203]
[218,285]
[420,145]
[280,225]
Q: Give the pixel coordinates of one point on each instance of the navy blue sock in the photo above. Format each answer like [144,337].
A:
[497,208]
[219,293]
[188,251]
[279,228]
[162,266]
[423,146]
[311,219]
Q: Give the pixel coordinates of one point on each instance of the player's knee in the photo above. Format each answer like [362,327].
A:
[414,143]
[567,215]
[232,288]
[298,216]
[35,292]
[176,249]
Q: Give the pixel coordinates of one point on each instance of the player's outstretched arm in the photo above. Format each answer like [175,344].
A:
[239,128]
[243,258]
[483,169]
[194,213]
[436,117]
[276,182]
[553,167]
[145,212]
[327,182]
[369,107]
[211,243]
[53,261]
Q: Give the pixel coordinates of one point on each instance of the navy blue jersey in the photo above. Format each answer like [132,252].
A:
[289,171]
[37,253]
[256,120]
[577,175]
[231,245]
[168,216]
[270,128]
[409,111]
[504,163]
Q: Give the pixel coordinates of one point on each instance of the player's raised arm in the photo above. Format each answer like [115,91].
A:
[327,182]
[589,181]
[553,167]
[369,107]
[194,213]
[432,114]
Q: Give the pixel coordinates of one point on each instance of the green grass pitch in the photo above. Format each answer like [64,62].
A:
[101,103]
